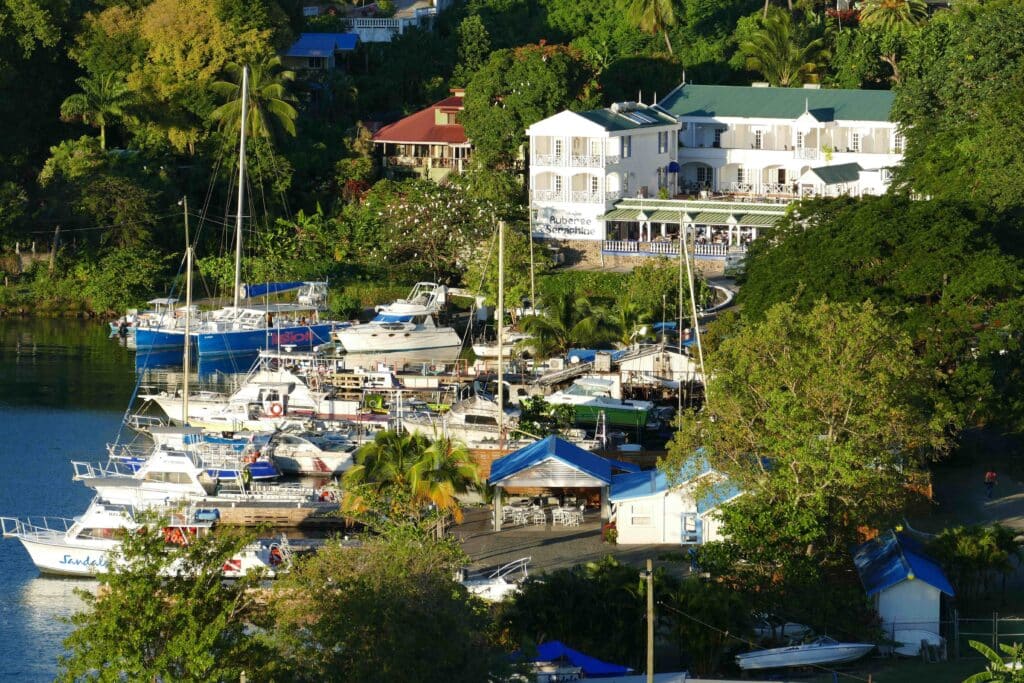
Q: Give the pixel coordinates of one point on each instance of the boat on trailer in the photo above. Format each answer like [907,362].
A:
[823,650]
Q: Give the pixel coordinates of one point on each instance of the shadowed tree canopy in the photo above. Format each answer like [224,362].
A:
[950,275]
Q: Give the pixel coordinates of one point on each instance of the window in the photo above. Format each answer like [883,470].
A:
[690,531]
[558,184]
[799,140]
[595,184]
[705,175]
[452,118]
[718,137]
[740,175]
[897,143]
[627,146]
[662,142]
[640,515]
[558,148]
[758,139]
[854,142]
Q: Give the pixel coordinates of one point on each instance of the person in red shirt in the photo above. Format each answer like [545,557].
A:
[990,482]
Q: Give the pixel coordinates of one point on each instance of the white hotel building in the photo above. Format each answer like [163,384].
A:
[737,155]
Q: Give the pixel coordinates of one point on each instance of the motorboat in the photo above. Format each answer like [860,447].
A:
[823,650]
[499,584]
[312,453]
[510,340]
[406,326]
[224,458]
[159,309]
[591,396]
[473,421]
[265,402]
[81,546]
[170,476]
[908,641]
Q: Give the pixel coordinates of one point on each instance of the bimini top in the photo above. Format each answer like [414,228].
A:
[556,448]
[893,558]
[556,651]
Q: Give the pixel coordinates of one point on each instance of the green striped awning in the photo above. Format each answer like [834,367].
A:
[711,218]
[759,220]
[621,215]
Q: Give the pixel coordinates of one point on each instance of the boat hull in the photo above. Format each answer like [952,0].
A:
[443,345]
[909,641]
[619,417]
[301,337]
[156,339]
[801,655]
[326,464]
[60,559]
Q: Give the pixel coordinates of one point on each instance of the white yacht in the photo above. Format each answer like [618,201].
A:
[823,650]
[311,453]
[406,326]
[473,421]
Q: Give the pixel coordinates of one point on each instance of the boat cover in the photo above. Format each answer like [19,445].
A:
[249,291]
[555,650]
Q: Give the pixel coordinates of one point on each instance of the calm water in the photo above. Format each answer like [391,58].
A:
[63,389]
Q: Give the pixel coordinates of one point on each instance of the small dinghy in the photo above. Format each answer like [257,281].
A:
[822,650]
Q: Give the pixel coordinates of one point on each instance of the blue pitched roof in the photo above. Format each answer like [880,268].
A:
[554,651]
[322,44]
[588,355]
[654,482]
[559,449]
[894,558]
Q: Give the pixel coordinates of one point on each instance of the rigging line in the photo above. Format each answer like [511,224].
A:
[754,645]
[97,227]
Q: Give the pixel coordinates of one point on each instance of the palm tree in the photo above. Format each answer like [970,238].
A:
[773,52]
[892,14]
[387,460]
[444,469]
[569,321]
[654,17]
[629,319]
[103,101]
[269,101]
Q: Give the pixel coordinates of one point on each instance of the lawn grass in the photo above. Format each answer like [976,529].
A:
[906,671]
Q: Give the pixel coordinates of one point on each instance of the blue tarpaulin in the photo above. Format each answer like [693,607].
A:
[556,651]
[249,291]
[322,44]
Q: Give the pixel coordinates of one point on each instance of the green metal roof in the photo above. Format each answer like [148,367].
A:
[699,217]
[619,121]
[759,221]
[620,215]
[778,103]
[693,206]
[841,173]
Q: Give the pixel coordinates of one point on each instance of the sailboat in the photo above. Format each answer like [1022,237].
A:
[240,329]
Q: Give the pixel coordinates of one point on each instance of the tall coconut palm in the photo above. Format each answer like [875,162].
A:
[444,469]
[629,319]
[387,460]
[269,101]
[892,14]
[102,102]
[654,17]
[773,52]
[568,321]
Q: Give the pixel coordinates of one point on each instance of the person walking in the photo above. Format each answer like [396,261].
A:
[990,482]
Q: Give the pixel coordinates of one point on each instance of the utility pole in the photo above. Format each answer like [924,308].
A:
[649,576]
[499,319]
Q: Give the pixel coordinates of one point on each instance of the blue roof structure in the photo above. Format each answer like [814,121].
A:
[588,355]
[893,558]
[555,651]
[653,482]
[555,447]
[322,44]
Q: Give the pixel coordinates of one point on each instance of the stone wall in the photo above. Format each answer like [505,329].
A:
[586,255]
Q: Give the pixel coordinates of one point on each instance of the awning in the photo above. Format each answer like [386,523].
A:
[621,215]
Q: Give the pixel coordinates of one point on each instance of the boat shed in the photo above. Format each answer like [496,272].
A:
[554,462]
[905,584]
[648,509]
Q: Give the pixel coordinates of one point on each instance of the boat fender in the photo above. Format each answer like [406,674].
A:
[276,409]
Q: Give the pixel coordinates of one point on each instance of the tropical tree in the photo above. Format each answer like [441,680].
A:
[443,469]
[773,52]
[629,319]
[654,17]
[892,14]
[566,321]
[999,670]
[102,102]
[269,101]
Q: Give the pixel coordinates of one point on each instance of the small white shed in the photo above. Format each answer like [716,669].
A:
[905,584]
[647,510]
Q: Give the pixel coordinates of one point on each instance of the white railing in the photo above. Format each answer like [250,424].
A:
[586,196]
[548,160]
[611,159]
[373,23]
[667,248]
[612,195]
[711,249]
[621,246]
[740,187]
[586,160]
[811,153]
[777,188]
[549,195]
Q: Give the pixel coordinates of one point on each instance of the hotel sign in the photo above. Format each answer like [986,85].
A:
[567,225]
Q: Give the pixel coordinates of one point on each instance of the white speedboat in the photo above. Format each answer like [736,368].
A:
[498,585]
[406,326]
[592,396]
[822,650]
[323,454]
[473,421]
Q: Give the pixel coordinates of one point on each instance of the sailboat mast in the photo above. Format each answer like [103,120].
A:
[241,187]
[187,356]
[500,320]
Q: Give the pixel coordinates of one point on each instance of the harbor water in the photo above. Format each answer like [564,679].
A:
[63,390]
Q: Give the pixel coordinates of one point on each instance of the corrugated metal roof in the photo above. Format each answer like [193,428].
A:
[621,215]
[840,173]
[628,120]
[322,44]
[711,218]
[758,220]
[559,449]
[422,127]
[825,104]
[655,482]
[894,558]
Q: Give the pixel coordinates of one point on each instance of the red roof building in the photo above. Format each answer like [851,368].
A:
[430,143]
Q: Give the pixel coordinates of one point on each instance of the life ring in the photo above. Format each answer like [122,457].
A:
[326,496]
[276,409]
[276,557]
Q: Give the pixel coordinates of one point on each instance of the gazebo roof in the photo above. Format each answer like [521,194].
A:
[557,448]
